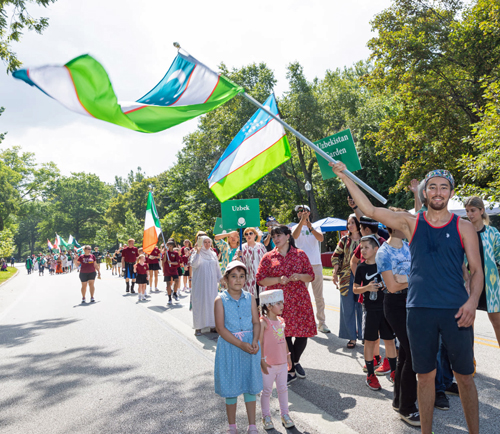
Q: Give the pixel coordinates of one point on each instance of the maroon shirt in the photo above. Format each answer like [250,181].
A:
[172,257]
[87,262]
[155,252]
[142,269]
[184,261]
[130,254]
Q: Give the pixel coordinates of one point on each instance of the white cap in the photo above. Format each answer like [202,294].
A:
[271,296]
[234,264]
[297,207]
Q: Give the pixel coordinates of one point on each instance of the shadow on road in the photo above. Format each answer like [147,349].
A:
[12,335]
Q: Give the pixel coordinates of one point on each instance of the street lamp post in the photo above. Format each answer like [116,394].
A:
[308,188]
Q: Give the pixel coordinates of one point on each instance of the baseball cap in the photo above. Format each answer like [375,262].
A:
[235,264]
[440,173]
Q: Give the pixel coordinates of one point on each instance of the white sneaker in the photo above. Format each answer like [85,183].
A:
[286,421]
[323,328]
[267,422]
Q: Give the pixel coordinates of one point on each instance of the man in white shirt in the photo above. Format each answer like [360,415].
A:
[309,240]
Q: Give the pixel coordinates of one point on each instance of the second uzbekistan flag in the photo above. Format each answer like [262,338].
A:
[259,147]
[152,226]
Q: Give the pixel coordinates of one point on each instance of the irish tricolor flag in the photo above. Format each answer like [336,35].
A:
[152,227]
[189,89]
[259,147]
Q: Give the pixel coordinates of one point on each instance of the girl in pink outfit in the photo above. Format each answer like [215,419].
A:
[275,356]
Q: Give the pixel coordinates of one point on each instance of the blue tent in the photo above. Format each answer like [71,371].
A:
[328,224]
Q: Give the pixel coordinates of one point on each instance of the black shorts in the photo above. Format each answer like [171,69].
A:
[170,278]
[425,326]
[129,270]
[141,278]
[85,277]
[113,262]
[180,271]
[376,325]
[154,266]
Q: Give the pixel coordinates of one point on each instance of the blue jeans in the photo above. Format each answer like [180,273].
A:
[351,315]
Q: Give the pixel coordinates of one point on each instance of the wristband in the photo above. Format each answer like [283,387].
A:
[356,207]
[264,358]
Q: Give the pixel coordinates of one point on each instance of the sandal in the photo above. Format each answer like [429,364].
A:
[351,344]
[197,332]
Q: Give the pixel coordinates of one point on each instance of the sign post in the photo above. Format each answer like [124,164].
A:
[341,147]
[240,214]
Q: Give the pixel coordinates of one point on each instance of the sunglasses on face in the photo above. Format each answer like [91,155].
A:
[249,233]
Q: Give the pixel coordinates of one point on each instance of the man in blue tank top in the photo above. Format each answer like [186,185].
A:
[438,304]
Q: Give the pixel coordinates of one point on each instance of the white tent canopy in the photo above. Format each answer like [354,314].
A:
[456,206]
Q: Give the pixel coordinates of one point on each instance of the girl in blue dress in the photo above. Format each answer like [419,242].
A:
[237,360]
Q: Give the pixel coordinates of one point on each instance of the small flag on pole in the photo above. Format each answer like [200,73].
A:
[259,147]
[61,243]
[152,226]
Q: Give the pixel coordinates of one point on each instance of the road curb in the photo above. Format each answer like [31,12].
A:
[330,278]
[10,278]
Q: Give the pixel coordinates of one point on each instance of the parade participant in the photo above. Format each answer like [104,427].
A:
[252,252]
[97,254]
[153,261]
[393,263]
[309,240]
[438,304]
[29,264]
[237,359]
[41,264]
[489,249]
[114,262]
[109,262]
[129,256]
[368,281]
[289,269]
[141,271]
[187,245]
[12,261]
[275,357]
[118,257]
[186,252]
[170,273]
[206,277]
[266,236]
[180,270]
[351,314]
[89,269]
[229,251]
[59,269]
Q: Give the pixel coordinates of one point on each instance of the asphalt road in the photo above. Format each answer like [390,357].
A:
[118,366]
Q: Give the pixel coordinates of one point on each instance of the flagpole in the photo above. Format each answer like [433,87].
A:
[163,237]
[304,139]
[315,148]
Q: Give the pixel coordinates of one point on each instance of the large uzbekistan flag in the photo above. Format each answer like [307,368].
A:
[61,243]
[152,226]
[189,89]
[259,147]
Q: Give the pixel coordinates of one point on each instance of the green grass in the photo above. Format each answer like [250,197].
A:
[327,271]
[6,275]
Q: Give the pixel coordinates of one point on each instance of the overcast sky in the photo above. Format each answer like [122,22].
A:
[133,41]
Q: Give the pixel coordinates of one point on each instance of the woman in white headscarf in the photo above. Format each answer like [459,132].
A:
[206,277]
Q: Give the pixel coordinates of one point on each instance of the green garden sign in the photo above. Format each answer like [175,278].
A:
[218,226]
[240,214]
[341,147]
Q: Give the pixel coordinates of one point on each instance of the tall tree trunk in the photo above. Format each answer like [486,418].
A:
[307,177]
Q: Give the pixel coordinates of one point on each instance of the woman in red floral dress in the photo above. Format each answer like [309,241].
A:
[288,268]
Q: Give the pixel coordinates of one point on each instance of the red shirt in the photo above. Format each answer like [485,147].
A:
[130,254]
[184,261]
[172,257]
[87,262]
[155,252]
[142,269]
